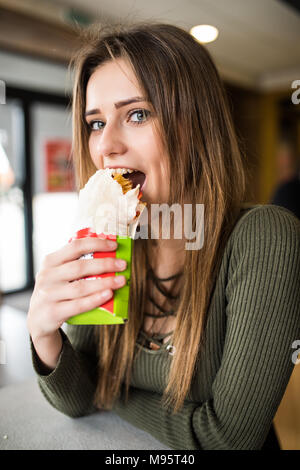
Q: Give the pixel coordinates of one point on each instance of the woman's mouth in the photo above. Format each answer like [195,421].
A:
[135,176]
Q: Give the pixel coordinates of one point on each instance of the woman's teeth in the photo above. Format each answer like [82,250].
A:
[122,171]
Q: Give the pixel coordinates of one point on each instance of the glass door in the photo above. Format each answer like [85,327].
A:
[37,185]
[54,196]
[13,253]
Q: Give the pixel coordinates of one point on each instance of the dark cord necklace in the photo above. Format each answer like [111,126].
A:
[156,280]
[156,338]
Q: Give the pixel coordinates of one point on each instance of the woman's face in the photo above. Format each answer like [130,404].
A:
[123,135]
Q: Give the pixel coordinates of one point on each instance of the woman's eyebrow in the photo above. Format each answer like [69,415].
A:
[118,105]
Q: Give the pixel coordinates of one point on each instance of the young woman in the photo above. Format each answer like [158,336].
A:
[206,356]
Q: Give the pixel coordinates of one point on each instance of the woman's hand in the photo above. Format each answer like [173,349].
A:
[60,292]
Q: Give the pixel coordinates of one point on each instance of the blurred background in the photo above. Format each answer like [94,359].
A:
[257,52]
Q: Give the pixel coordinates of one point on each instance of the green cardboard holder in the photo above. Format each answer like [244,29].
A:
[115,311]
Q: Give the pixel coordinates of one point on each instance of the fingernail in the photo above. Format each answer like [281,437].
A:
[121,264]
[105,293]
[112,245]
[118,280]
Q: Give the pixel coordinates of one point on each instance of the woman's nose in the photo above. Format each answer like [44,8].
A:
[111,140]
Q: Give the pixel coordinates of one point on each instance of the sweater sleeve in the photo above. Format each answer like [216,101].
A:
[70,387]
[263,320]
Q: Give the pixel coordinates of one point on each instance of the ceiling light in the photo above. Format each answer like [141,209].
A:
[204,33]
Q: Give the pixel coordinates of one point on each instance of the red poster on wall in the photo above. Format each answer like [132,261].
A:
[59,167]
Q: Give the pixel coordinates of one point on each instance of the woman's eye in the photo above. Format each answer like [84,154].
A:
[141,116]
[140,113]
[94,125]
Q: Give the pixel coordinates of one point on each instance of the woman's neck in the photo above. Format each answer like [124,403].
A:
[167,257]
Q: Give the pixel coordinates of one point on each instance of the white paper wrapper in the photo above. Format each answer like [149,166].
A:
[104,208]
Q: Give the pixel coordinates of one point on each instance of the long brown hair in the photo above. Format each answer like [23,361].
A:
[180,80]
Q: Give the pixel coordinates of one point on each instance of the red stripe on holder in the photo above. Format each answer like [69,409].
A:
[87,233]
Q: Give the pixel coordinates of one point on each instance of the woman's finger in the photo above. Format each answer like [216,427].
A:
[86,287]
[69,308]
[76,249]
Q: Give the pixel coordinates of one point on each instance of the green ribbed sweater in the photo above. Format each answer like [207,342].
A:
[253,319]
